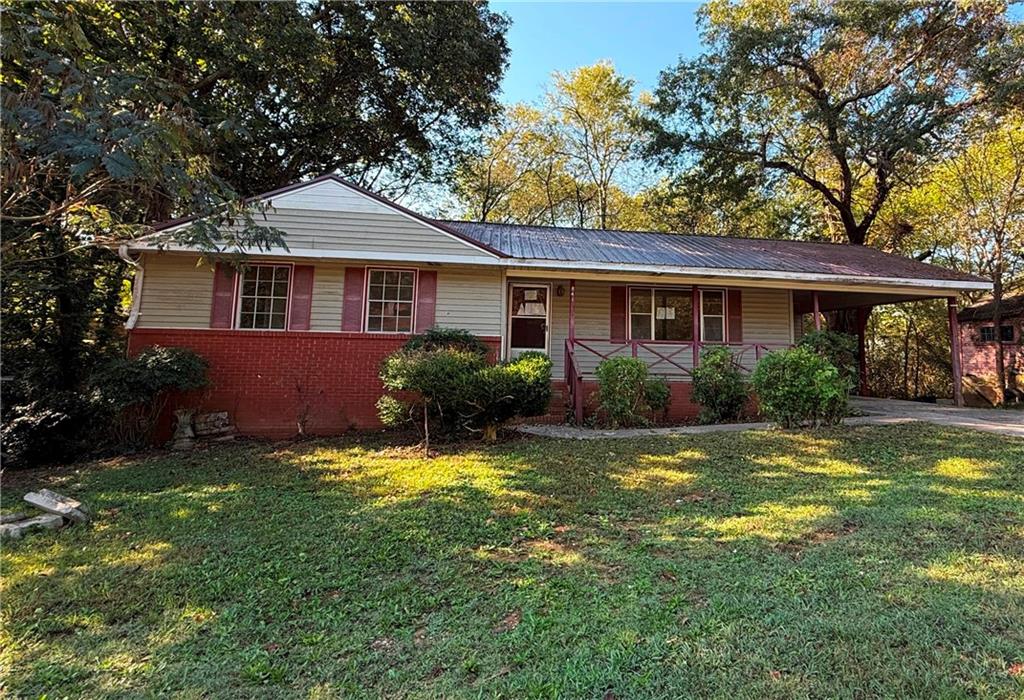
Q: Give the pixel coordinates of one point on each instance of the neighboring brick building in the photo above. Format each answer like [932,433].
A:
[980,340]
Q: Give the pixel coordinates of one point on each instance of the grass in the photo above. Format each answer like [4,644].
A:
[872,561]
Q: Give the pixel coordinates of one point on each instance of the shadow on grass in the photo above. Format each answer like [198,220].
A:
[868,560]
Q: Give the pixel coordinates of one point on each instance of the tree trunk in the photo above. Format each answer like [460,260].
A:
[997,321]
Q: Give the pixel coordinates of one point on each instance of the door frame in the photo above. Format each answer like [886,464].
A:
[510,315]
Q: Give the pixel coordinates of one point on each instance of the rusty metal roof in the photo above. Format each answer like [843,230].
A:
[541,243]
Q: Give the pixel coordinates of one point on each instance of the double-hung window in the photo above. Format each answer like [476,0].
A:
[661,314]
[389,301]
[712,315]
[263,297]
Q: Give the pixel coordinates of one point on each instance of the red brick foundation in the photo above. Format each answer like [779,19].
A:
[271,382]
[680,409]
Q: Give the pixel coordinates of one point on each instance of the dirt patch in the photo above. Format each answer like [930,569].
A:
[822,535]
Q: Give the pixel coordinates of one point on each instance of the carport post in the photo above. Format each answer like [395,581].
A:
[817,312]
[862,350]
[954,346]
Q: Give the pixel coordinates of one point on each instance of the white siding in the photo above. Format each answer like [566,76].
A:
[469,298]
[766,316]
[328,296]
[176,292]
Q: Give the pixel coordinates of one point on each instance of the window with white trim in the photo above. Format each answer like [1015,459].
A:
[263,297]
[389,301]
[661,314]
[712,315]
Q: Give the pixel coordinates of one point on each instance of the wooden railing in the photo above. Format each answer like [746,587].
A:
[668,358]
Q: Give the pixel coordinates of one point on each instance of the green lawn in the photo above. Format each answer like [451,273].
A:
[847,563]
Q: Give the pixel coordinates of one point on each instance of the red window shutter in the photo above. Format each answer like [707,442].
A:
[352,306]
[302,298]
[222,311]
[617,324]
[734,316]
[426,299]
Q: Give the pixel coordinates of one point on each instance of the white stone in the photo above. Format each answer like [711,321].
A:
[12,517]
[15,531]
[55,503]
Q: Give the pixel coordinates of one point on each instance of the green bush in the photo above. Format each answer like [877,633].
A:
[437,381]
[797,387]
[625,392]
[46,431]
[840,349]
[447,339]
[521,387]
[452,391]
[133,391]
[718,387]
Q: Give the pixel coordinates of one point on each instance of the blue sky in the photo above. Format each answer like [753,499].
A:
[640,38]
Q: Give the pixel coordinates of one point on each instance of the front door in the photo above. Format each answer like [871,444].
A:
[528,318]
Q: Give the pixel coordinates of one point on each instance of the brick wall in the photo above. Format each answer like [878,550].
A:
[680,408]
[979,361]
[270,381]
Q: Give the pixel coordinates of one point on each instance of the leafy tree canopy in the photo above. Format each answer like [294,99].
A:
[847,98]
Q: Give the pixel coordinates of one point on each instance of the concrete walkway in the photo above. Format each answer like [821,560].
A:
[877,412]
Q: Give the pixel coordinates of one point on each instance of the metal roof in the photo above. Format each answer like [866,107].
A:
[679,250]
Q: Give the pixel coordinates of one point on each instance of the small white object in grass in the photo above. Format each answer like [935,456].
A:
[53,502]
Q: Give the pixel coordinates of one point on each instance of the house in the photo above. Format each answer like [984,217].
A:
[296,339]
[980,341]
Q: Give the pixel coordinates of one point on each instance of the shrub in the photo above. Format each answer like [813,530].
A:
[453,390]
[840,349]
[438,381]
[46,431]
[625,392]
[521,387]
[133,391]
[447,339]
[798,386]
[719,387]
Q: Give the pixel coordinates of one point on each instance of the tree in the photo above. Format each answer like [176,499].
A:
[119,115]
[850,99]
[596,117]
[970,212]
[567,163]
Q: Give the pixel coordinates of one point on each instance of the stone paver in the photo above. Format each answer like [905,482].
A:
[878,412]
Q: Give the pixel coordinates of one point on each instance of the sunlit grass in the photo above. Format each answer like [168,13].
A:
[842,563]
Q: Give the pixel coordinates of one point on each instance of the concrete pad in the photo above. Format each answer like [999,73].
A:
[53,502]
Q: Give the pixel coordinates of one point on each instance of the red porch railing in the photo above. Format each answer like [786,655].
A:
[662,356]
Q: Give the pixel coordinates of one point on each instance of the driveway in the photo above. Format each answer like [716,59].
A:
[1001,421]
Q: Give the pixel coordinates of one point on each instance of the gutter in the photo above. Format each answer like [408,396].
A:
[140,272]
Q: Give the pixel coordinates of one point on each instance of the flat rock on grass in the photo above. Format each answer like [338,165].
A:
[12,517]
[15,531]
[53,502]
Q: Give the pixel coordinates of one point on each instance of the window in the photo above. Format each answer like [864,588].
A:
[661,314]
[264,297]
[988,334]
[712,319]
[389,301]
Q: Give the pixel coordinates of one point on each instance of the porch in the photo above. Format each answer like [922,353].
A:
[668,324]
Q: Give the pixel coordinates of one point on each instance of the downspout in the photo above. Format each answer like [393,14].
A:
[133,314]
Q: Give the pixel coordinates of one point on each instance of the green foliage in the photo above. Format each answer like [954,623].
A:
[454,390]
[520,387]
[840,349]
[46,431]
[393,412]
[861,96]
[800,387]
[625,392]
[719,387]
[133,391]
[448,338]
